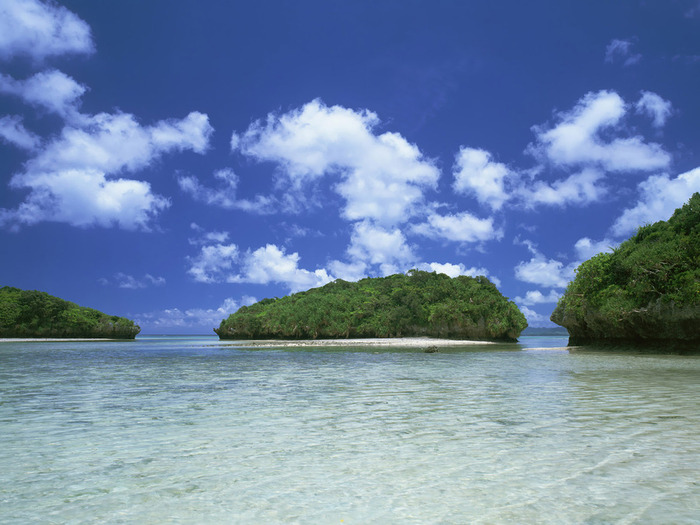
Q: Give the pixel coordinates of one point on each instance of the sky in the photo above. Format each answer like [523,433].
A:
[173,160]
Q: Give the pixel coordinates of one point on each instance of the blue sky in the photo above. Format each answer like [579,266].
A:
[173,160]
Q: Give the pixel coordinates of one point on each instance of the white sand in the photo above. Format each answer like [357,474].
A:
[406,342]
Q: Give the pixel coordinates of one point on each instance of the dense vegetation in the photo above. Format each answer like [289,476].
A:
[646,289]
[416,304]
[29,313]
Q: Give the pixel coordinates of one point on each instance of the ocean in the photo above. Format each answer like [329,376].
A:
[176,429]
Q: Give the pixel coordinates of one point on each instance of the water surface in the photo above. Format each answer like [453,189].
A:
[189,430]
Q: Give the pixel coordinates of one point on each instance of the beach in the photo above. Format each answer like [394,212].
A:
[402,342]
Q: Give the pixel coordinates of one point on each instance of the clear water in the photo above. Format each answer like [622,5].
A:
[187,430]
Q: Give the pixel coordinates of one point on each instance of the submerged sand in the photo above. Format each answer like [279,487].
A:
[405,342]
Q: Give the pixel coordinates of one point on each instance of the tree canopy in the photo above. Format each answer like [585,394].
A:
[647,287]
[414,304]
[30,313]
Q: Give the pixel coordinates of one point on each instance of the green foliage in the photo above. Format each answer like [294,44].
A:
[659,264]
[419,303]
[29,313]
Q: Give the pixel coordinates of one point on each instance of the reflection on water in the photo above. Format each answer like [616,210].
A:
[188,430]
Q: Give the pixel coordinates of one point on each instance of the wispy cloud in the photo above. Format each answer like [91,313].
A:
[621,51]
[123,280]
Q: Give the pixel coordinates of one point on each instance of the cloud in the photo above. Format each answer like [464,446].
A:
[348,271]
[460,227]
[579,188]
[39,30]
[578,138]
[542,271]
[192,318]
[13,132]
[220,262]
[130,282]
[72,179]
[476,174]
[271,264]
[532,316]
[207,237]
[659,198]
[533,297]
[375,245]
[111,143]
[51,90]
[621,50]
[214,263]
[455,270]
[545,272]
[586,248]
[85,198]
[655,107]
[381,177]
[225,195]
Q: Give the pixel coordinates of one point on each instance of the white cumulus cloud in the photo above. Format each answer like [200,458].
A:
[51,90]
[12,131]
[381,177]
[477,174]
[578,139]
[455,270]
[652,105]
[374,245]
[543,271]
[41,29]
[459,227]
[659,197]
[578,188]
[533,297]
[218,262]
[74,178]
[271,264]
[214,263]
[199,319]
[586,248]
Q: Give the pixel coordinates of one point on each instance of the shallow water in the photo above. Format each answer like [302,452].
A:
[186,430]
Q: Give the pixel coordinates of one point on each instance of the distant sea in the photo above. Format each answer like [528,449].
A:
[178,429]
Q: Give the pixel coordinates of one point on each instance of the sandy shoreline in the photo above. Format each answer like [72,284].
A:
[405,342]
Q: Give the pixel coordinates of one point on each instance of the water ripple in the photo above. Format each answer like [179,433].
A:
[146,433]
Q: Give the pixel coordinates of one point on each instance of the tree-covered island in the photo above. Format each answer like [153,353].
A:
[646,292]
[415,304]
[29,313]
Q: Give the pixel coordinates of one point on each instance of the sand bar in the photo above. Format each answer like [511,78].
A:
[405,342]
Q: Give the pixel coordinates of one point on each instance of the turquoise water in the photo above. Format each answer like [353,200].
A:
[188,430]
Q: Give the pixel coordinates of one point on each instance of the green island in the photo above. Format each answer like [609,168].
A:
[646,292]
[34,314]
[403,305]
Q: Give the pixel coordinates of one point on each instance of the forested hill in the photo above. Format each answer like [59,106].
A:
[29,313]
[416,304]
[647,290]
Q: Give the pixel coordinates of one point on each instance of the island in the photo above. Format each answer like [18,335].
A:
[34,314]
[415,304]
[645,293]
